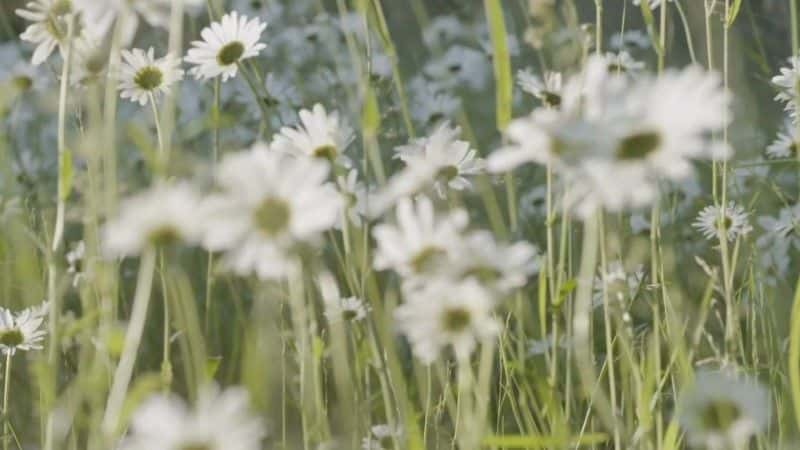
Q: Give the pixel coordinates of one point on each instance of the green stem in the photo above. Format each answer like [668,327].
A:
[254,88]
[6,388]
[161,162]
[133,338]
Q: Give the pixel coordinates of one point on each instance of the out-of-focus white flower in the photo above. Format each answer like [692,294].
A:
[548,90]
[788,83]
[444,315]
[319,135]
[439,160]
[430,103]
[720,411]
[421,239]
[162,215]
[459,66]
[616,137]
[49,28]
[623,62]
[786,143]
[501,267]
[381,437]
[220,420]
[268,205]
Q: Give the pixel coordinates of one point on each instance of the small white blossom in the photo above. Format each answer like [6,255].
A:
[225,44]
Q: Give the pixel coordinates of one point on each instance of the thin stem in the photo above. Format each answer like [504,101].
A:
[133,338]
[794,24]
[6,388]
[58,230]
[254,88]
[598,6]
[160,161]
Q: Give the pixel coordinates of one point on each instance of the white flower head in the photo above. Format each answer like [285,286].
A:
[381,437]
[788,83]
[443,315]
[320,135]
[459,66]
[430,103]
[338,308]
[355,195]
[786,226]
[548,89]
[49,28]
[618,283]
[420,240]
[22,330]
[142,76]
[268,205]
[501,267]
[786,143]
[220,420]
[623,62]
[615,137]
[225,44]
[162,215]
[720,411]
[736,221]
[439,160]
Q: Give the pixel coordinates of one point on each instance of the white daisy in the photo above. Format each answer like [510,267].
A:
[720,411]
[445,315]
[737,223]
[785,226]
[381,437]
[548,90]
[618,283]
[49,28]
[319,135]
[338,308]
[90,60]
[349,309]
[615,137]
[22,330]
[459,66]
[220,420]
[788,83]
[502,267]
[143,76]
[355,195]
[162,215]
[787,142]
[443,30]
[420,241]
[268,205]
[623,62]
[225,44]
[439,160]
[429,103]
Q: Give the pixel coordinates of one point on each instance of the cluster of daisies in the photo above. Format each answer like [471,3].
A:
[611,134]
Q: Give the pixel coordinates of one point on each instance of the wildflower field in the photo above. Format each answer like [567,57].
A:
[399,224]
